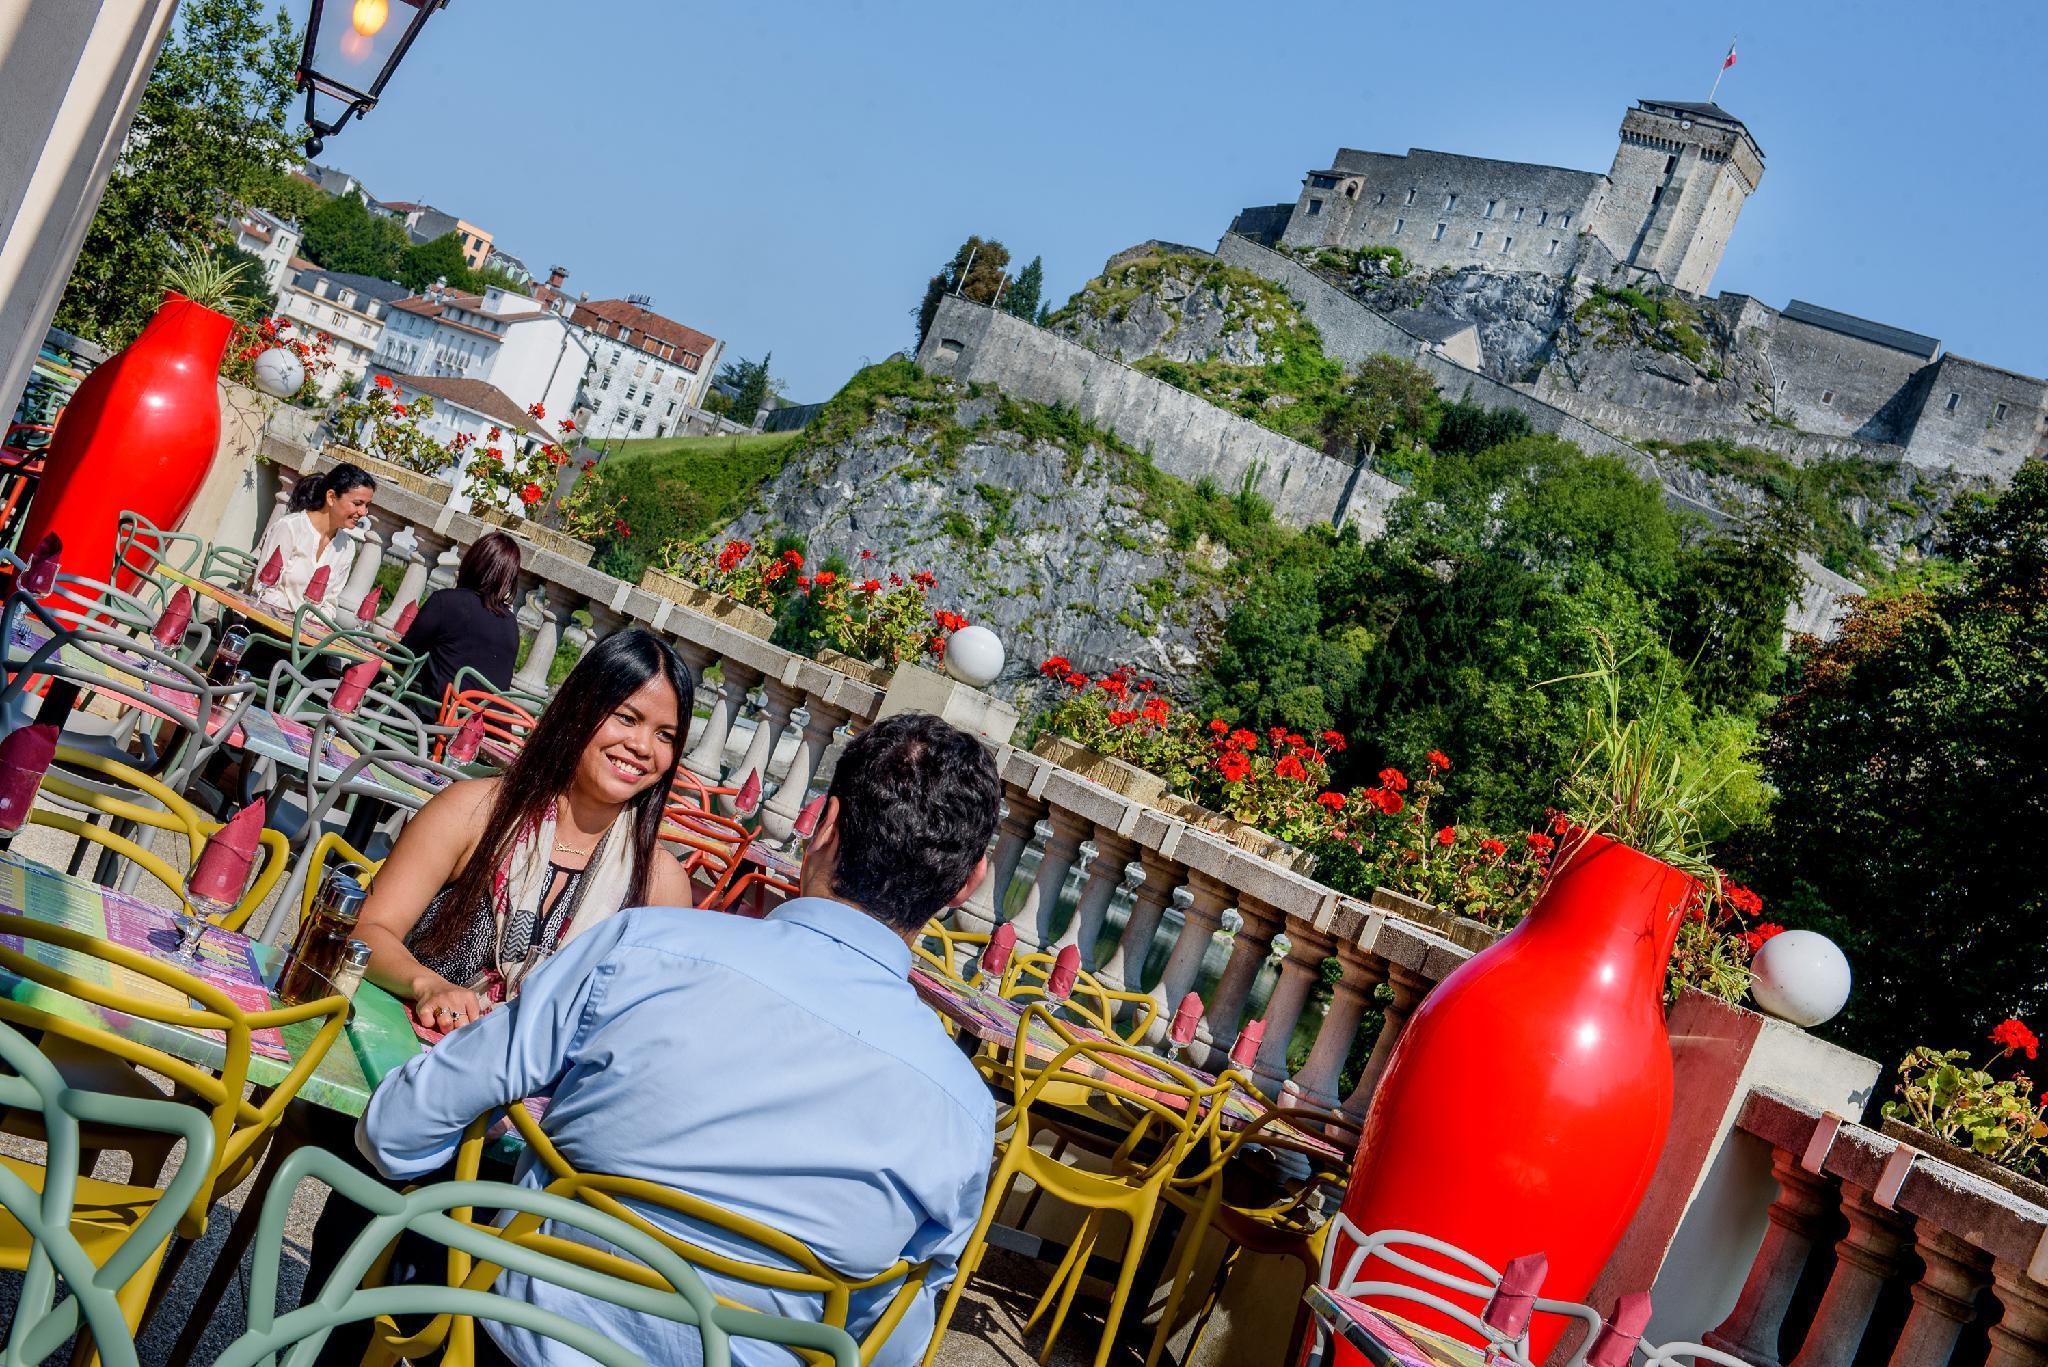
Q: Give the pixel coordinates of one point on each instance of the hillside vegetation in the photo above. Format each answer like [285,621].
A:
[683,487]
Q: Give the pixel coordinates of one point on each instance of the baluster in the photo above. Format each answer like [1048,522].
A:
[1322,1075]
[2020,1338]
[707,757]
[979,915]
[362,571]
[1113,856]
[412,583]
[778,700]
[1249,949]
[1798,1217]
[1062,848]
[1944,1299]
[1125,970]
[778,817]
[1022,812]
[1869,1254]
[603,622]
[553,603]
[1408,987]
[1300,970]
[1204,914]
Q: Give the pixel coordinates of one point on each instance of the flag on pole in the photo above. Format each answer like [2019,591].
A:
[1729,60]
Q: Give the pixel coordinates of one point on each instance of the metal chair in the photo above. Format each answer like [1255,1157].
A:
[142,550]
[318,634]
[644,1276]
[956,955]
[1688,1355]
[1093,1001]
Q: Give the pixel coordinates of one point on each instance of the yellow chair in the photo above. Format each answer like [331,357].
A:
[329,845]
[170,812]
[804,1273]
[951,951]
[1095,1003]
[1166,1113]
[70,1007]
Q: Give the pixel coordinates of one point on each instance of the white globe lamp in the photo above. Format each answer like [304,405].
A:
[279,373]
[974,656]
[1801,977]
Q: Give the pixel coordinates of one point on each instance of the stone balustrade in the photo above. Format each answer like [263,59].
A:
[1918,1256]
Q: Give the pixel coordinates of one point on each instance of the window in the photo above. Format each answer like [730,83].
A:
[1478,238]
[1998,413]
[1323,182]
[1670,165]
[1438,236]
[625,334]
[1565,221]
[1518,215]
[1409,200]
[647,399]
[1491,205]
[1953,399]
[1508,244]
[1315,206]
[1399,224]
[1827,396]
[604,381]
[639,423]
[1450,203]
[1551,250]
[691,360]
[639,369]
[1381,200]
[632,392]
[1542,217]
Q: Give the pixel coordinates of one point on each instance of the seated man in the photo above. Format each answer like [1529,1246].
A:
[783,1069]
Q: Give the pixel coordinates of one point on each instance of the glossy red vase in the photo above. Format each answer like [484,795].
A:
[1526,1104]
[139,434]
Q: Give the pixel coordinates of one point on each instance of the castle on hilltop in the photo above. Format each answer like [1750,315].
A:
[1665,209]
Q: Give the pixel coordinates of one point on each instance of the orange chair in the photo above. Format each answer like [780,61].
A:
[504,721]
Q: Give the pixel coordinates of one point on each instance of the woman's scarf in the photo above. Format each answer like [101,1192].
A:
[521,883]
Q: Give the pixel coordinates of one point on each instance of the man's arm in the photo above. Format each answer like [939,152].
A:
[416,1119]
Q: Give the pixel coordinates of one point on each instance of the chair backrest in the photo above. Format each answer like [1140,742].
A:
[331,846]
[468,679]
[644,1276]
[157,992]
[42,1319]
[293,693]
[142,549]
[1404,1249]
[1094,1001]
[229,567]
[504,720]
[380,771]
[1687,1355]
[317,633]
[956,954]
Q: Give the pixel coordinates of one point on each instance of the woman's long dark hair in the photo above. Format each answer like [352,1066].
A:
[311,494]
[490,569]
[611,672]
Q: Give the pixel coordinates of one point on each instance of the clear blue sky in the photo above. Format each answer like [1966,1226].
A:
[785,174]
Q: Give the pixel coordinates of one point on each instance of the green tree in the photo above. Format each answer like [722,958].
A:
[211,127]
[1727,613]
[343,235]
[1386,400]
[252,296]
[1466,428]
[287,195]
[1025,296]
[1911,759]
[749,384]
[976,272]
[423,263]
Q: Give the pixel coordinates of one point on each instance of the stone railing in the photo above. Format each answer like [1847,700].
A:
[1923,1256]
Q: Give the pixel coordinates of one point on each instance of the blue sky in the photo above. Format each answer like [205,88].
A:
[786,174]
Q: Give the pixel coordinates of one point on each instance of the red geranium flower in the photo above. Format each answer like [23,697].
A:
[2012,1035]
[1218,726]
[1489,848]
[875,586]
[567,425]
[734,552]
[1741,899]
[383,382]
[1241,739]
[1539,842]
[537,411]
[1290,769]
[825,577]
[1438,761]
[795,558]
[1332,801]
[398,409]
[1052,669]
[1333,741]
[1755,938]
[1076,680]
[1122,718]
[1394,780]
[531,495]
[1234,768]
[1447,837]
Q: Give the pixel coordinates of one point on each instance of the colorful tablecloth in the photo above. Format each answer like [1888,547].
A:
[1387,1340]
[235,601]
[378,1037]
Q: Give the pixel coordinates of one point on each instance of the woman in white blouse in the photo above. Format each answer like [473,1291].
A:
[309,536]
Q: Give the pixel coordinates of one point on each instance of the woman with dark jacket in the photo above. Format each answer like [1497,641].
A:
[471,624]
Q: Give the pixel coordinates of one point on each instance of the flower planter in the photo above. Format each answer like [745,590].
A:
[426,486]
[1464,931]
[716,606]
[1969,1160]
[1250,839]
[839,660]
[568,547]
[1119,776]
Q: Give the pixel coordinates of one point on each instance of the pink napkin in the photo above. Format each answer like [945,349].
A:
[1066,967]
[1617,1340]
[996,957]
[405,616]
[25,757]
[807,819]
[750,795]
[39,575]
[1187,1019]
[222,873]
[468,740]
[316,587]
[273,569]
[355,682]
[170,628]
[1248,1040]
[1514,1300]
[366,611]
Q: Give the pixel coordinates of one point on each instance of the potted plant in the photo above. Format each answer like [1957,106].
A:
[864,627]
[1559,1026]
[1265,792]
[384,436]
[1118,731]
[142,430]
[1993,1127]
[733,584]
[511,480]
[253,339]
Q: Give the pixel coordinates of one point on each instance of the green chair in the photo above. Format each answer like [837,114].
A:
[143,550]
[319,634]
[41,1226]
[562,1261]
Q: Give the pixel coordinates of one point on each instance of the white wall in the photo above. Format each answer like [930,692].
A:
[540,360]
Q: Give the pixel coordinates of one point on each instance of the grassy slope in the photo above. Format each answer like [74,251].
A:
[685,487]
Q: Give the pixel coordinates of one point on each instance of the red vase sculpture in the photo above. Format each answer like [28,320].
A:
[1525,1107]
[138,435]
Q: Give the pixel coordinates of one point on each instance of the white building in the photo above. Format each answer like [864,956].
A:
[350,310]
[504,340]
[272,240]
[473,407]
[645,369]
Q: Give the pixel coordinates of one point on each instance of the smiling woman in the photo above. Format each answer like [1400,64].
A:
[495,874]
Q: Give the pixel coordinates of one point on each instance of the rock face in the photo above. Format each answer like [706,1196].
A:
[1518,314]
[1051,541]
[1181,308]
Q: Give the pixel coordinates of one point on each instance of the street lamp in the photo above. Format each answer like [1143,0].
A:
[352,47]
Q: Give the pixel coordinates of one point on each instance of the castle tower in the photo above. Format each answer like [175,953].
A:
[1679,181]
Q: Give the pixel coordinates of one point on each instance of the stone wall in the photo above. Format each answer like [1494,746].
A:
[1979,419]
[1185,435]
[1651,427]
[1831,383]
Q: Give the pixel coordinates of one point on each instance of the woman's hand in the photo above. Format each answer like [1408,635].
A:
[440,1005]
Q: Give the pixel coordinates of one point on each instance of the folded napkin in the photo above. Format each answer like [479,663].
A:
[25,757]
[996,957]
[1187,1019]
[170,628]
[222,873]
[468,739]
[355,682]
[366,611]
[1618,1338]
[316,587]
[273,569]
[405,617]
[1248,1040]
[39,574]
[1066,967]
[1514,1300]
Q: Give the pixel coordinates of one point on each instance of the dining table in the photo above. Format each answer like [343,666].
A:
[242,605]
[1385,1339]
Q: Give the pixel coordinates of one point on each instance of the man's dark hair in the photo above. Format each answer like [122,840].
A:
[918,802]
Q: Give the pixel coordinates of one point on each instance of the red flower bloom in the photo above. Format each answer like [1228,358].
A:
[1394,780]
[1290,769]
[1218,726]
[567,424]
[1330,801]
[1235,768]
[867,555]
[536,411]
[875,586]
[1447,837]
[795,558]
[398,410]
[1390,804]
[776,569]
[1438,761]
[2012,1036]
[937,645]
[803,581]
[924,579]
[1052,669]
[1155,709]
[1741,899]
[384,382]
[1145,685]
[1539,842]
[1122,718]
[1489,848]
[1755,938]
[825,577]
[1241,739]
[531,495]
[1333,741]
[734,552]
[1076,680]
